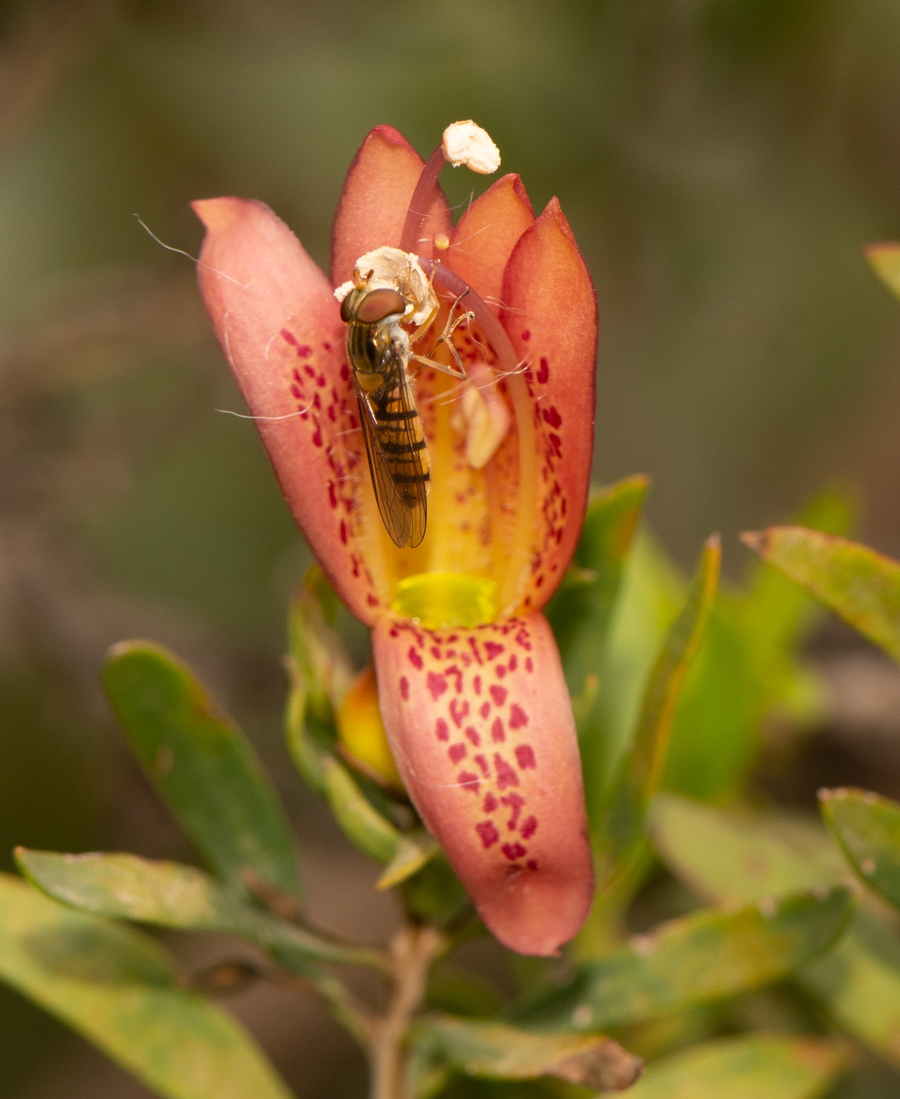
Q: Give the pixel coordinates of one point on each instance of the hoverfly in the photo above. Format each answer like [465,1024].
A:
[394,291]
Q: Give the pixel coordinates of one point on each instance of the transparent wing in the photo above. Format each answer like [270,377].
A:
[398,459]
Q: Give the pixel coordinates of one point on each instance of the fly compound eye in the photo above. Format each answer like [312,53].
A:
[347,307]
[378,304]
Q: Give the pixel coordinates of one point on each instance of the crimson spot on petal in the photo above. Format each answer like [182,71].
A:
[487,832]
[456,752]
[517,716]
[525,756]
[442,729]
[414,658]
[497,733]
[513,850]
[529,827]
[404,688]
[436,684]
[498,694]
[506,776]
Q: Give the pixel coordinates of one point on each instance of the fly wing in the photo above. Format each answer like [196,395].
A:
[398,458]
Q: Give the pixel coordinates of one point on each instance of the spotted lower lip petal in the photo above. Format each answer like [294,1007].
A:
[481,728]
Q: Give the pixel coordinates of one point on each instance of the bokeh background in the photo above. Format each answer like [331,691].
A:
[722,164]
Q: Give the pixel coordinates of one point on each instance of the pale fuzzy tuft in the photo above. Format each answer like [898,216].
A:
[395,270]
[466,143]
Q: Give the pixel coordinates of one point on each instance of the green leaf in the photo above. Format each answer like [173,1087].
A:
[321,671]
[580,611]
[320,676]
[359,820]
[413,850]
[867,826]
[116,987]
[855,582]
[169,894]
[701,957]
[619,828]
[859,980]
[754,1066]
[748,666]
[859,983]
[497,1051]
[202,765]
[884,259]
[738,857]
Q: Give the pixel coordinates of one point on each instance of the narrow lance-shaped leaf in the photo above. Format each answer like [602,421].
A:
[692,960]
[116,987]
[359,820]
[738,857]
[320,677]
[579,612]
[748,665]
[497,1051]
[754,1066]
[620,826]
[730,856]
[855,582]
[867,826]
[413,850]
[168,894]
[202,765]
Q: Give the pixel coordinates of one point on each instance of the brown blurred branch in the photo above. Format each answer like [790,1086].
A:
[45,39]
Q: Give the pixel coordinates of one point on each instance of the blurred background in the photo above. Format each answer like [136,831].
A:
[722,164]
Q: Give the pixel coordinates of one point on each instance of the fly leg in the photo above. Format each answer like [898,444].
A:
[458,371]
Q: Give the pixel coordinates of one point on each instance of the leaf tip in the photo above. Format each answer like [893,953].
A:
[756,540]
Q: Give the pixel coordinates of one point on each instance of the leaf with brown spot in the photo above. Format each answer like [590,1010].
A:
[498,1051]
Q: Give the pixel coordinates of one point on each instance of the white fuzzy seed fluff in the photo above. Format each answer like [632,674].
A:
[466,143]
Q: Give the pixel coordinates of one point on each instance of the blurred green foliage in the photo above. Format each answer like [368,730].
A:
[721,163]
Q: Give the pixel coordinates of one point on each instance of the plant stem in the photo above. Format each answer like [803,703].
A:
[413,949]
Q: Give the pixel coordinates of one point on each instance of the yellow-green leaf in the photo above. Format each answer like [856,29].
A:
[754,1066]
[116,987]
[855,582]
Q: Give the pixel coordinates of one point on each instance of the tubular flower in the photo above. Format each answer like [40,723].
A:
[469,679]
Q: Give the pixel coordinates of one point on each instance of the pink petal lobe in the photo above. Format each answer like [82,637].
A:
[481,728]
[374,200]
[280,329]
[486,235]
[551,318]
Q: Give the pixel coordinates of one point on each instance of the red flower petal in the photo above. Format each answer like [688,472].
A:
[374,201]
[481,728]
[486,235]
[280,328]
[551,318]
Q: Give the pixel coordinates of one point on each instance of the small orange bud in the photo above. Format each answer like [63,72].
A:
[361,731]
